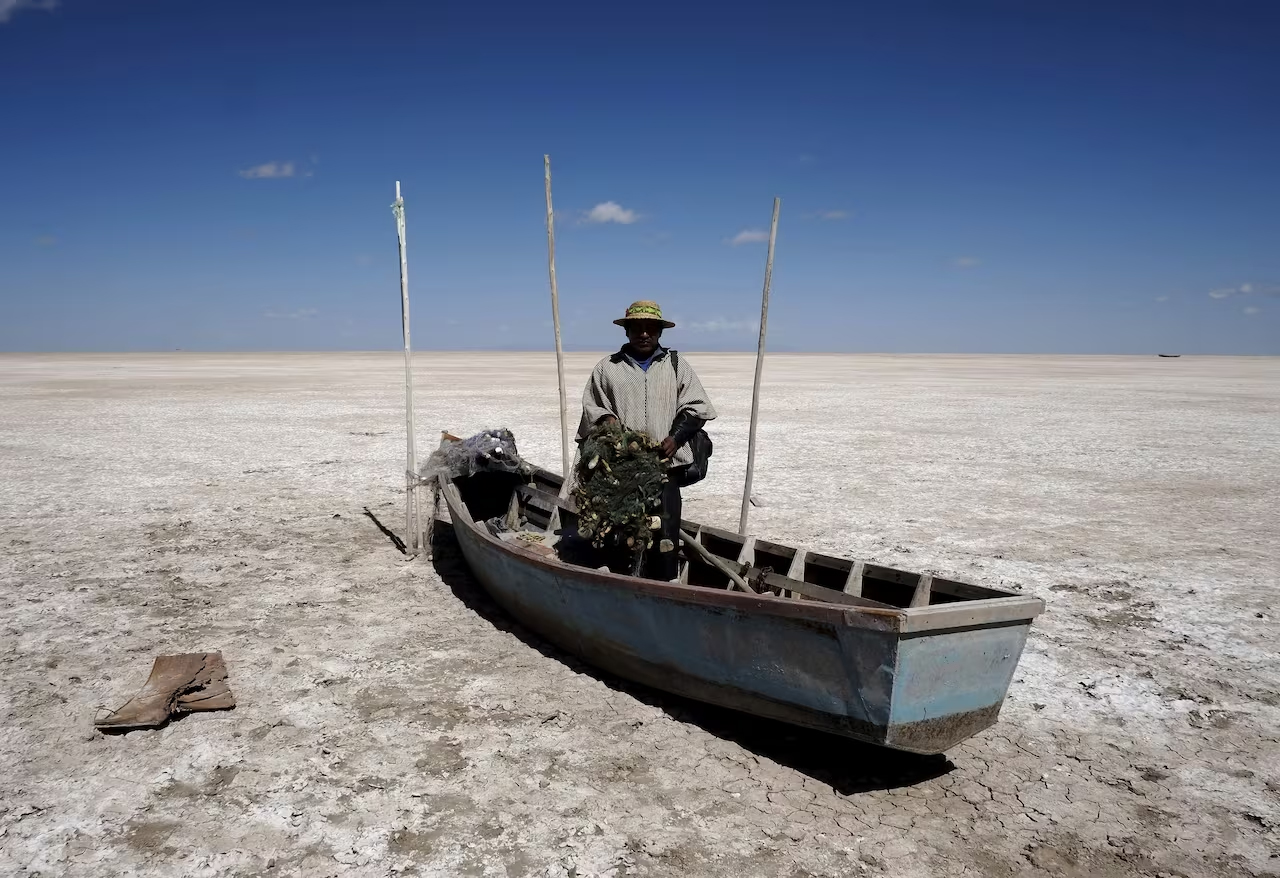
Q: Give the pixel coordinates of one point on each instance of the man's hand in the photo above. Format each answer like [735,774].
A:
[669,447]
[607,420]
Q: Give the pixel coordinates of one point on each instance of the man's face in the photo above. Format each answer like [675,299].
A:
[643,336]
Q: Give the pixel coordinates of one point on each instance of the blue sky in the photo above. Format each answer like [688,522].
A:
[960,176]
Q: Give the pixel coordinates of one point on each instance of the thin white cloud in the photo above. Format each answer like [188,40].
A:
[1162,298]
[832,214]
[9,7]
[966,262]
[268,170]
[806,159]
[1246,289]
[748,236]
[300,314]
[46,241]
[611,212]
[1252,309]
[720,324]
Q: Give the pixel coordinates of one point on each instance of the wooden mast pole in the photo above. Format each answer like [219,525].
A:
[411,536]
[755,390]
[566,459]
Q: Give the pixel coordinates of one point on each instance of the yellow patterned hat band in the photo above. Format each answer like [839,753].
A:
[644,310]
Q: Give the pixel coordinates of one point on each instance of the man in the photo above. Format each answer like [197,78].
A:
[641,387]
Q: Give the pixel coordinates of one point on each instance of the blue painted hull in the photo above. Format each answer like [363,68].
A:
[911,679]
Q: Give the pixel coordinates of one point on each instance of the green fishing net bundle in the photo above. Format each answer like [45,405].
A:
[620,475]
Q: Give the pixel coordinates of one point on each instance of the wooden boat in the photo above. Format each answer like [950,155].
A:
[904,660]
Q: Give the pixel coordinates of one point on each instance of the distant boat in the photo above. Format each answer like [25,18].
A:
[1168,355]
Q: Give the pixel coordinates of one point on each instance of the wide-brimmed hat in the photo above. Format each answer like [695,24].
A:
[644,310]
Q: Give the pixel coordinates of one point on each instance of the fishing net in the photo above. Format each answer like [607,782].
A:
[492,451]
[618,489]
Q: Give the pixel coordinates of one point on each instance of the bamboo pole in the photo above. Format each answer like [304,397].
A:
[412,538]
[755,390]
[566,459]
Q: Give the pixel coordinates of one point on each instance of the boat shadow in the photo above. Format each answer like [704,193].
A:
[847,766]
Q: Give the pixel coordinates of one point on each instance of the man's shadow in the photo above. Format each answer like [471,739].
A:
[848,766]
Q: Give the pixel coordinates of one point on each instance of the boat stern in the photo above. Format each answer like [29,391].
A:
[954,666]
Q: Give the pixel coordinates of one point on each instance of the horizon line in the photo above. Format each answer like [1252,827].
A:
[605,352]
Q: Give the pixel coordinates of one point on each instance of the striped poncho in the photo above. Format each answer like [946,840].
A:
[644,400]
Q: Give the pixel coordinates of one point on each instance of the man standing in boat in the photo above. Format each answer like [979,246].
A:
[653,390]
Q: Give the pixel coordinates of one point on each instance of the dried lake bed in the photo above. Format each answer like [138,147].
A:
[393,721]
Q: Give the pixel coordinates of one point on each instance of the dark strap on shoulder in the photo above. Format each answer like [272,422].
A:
[675,360]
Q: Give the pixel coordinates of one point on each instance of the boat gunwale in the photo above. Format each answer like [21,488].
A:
[903,620]
[815,611]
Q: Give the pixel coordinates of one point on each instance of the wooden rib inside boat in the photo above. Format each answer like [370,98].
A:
[906,660]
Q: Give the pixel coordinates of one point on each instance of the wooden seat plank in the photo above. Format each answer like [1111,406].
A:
[816,592]
[924,588]
[853,585]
